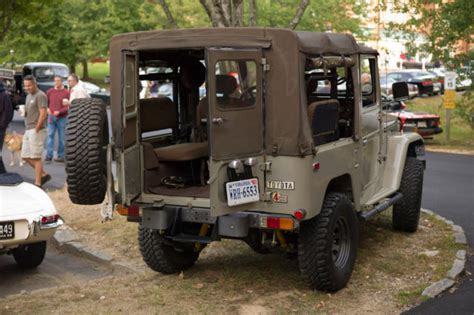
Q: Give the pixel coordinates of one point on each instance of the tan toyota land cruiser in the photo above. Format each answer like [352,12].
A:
[270,136]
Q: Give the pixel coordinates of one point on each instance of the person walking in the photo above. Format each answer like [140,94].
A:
[76,89]
[6,116]
[36,113]
[58,105]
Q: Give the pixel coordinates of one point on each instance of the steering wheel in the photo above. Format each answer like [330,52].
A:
[249,95]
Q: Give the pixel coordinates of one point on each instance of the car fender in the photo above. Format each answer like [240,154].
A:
[399,147]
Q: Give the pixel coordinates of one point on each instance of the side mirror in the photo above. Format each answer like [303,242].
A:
[400,91]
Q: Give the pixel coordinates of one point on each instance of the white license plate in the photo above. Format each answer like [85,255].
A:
[242,191]
[421,124]
[7,230]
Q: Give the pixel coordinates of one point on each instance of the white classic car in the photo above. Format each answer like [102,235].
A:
[28,219]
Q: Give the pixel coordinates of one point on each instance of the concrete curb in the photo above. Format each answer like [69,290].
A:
[66,240]
[459,263]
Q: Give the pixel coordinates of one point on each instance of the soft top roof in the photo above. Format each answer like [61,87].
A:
[308,42]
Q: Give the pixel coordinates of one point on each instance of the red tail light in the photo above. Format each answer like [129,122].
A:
[50,219]
[427,82]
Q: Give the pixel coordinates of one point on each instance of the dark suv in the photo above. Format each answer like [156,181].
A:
[421,79]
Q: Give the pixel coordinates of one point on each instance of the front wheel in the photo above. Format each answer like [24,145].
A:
[30,256]
[164,256]
[406,214]
[327,244]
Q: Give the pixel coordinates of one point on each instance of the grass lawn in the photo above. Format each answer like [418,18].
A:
[462,133]
[97,73]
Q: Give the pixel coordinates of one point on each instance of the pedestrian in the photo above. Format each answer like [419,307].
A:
[58,105]
[36,113]
[76,89]
[6,116]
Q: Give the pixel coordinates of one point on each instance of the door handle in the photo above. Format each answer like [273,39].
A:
[364,141]
[218,120]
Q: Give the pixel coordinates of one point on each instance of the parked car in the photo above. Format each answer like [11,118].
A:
[439,74]
[422,79]
[28,219]
[96,91]
[463,81]
[426,124]
[386,87]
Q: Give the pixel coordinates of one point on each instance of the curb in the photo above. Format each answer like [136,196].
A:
[459,263]
[66,240]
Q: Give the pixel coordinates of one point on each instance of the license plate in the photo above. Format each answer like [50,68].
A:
[421,124]
[242,191]
[7,230]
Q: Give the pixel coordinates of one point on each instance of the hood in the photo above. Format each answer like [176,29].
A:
[23,199]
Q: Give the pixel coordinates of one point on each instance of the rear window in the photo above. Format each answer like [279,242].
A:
[43,74]
[236,83]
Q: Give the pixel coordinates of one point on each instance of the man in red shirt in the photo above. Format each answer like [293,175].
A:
[58,106]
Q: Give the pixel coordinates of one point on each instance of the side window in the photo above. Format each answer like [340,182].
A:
[236,83]
[367,81]
[130,83]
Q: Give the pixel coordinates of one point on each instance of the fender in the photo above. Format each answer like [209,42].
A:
[399,147]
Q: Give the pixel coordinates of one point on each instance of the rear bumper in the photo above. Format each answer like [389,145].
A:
[235,225]
[427,132]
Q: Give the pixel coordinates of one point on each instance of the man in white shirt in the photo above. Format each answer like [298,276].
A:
[75,88]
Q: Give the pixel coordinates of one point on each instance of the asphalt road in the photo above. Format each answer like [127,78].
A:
[449,191]
[57,269]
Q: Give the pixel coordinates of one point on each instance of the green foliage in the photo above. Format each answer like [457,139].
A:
[465,107]
[74,31]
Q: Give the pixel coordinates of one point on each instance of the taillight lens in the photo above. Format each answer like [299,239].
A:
[427,82]
[277,223]
[49,219]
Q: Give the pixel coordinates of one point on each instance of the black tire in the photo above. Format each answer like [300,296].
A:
[30,256]
[327,244]
[87,135]
[161,256]
[406,214]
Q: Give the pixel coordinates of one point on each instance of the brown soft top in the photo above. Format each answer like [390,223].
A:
[316,43]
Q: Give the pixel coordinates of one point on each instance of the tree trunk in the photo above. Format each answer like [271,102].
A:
[72,68]
[214,10]
[252,13]
[226,8]
[85,70]
[299,14]
[169,16]
[208,12]
[238,13]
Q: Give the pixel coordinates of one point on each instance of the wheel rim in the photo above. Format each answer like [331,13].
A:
[341,245]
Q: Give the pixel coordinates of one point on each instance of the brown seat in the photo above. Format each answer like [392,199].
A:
[182,152]
[157,114]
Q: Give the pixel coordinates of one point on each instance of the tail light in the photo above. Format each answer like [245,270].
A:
[427,83]
[49,219]
[132,211]
[277,223]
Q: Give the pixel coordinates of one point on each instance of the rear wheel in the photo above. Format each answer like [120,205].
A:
[327,244]
[406,214]
[162,255]
[87,135]
[30,255]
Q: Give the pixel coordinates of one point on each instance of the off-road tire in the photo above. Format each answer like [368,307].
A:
[327,244]
[87,135]
[406,213]
[161,256]
[30,256]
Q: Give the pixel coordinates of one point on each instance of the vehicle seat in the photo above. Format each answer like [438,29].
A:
[311,87]
[323,118]
[226,85]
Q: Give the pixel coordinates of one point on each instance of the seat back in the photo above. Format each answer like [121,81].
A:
[157,114]
[323,118]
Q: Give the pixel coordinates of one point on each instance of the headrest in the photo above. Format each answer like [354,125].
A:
[225,84]
[193,74]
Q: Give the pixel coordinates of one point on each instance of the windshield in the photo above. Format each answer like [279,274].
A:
[47,73]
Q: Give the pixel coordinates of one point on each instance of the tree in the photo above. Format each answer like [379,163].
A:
[443,25]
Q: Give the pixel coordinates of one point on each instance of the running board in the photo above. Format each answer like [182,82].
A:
[381,206]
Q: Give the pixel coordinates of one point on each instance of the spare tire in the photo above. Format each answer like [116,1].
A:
[87,135]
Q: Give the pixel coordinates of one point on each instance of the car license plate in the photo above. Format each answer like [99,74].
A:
[7,230]
[242,191]
[421,124]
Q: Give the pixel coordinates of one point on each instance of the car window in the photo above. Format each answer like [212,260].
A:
[43,74]
[236,83]
[367,80]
